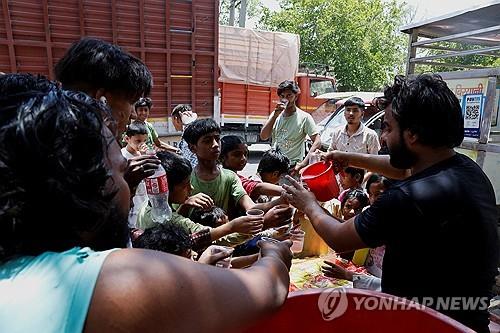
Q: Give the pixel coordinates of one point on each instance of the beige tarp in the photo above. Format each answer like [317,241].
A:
[257,57]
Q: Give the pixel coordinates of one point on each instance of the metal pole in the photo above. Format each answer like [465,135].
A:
[243,13]
[412,52]
[231,13]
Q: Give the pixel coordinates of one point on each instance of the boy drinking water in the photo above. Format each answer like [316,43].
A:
[135,137]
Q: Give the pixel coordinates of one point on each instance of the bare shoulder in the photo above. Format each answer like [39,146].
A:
[128,291]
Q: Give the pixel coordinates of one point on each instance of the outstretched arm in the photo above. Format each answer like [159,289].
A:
[166,146]
[315,146]
[263,188]
[339,236]
[267,129]
[376,163]
[277,211]
[149,291]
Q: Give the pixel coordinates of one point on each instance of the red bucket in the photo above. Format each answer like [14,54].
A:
[321,180]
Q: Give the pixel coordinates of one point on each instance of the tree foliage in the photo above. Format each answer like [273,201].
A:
[253,10]
[358,38]
[470,60]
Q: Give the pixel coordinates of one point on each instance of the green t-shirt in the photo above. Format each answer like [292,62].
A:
[225,190]
[289,134]
[144,221]
[152,134]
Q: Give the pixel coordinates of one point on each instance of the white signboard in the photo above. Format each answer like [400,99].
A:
[472,107]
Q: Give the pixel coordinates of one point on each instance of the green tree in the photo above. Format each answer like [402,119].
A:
[359,39]
[469,60]
[253,10]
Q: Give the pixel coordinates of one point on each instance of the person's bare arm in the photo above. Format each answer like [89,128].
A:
[248,225]
[149,291]
[315,146]
[247,203]
[244,261]
[339,236]
[158,143]
[268,189]
[375,163]
[267,129]
[276,214]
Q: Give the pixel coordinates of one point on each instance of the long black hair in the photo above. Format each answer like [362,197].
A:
[53,169]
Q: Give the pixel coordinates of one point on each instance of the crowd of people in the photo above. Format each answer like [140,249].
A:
[76,217]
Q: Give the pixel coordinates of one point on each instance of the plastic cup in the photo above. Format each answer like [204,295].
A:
[297,238]
[226,262]
[188,118]
[255,212]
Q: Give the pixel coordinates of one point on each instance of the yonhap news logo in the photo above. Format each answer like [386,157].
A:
[333,303]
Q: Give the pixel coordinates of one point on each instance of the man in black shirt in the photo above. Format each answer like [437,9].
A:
[439,224]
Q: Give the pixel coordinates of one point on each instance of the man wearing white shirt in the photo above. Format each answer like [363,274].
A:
[355,137]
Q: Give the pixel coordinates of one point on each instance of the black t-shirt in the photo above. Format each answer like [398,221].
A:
[440,231]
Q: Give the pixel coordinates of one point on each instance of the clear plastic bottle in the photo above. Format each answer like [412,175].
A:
[157,189]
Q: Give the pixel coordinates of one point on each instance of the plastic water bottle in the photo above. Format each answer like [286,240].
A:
[157,189]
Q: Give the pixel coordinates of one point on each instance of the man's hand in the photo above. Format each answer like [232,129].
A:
[296,169]
[280,107]
[298,196]
[143,149]
[139,168]
[278,216]
[335,271]
[210,257]
[280,250]
[249,225]
[200,200]
[339,159]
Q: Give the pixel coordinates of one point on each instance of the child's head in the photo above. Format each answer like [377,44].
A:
[136,135]
[169,238]
[203,138]
[142,108]
[234,153]
[375,186]
[178,171]
[352,178]
[273,165]
[353,203]
[212,217]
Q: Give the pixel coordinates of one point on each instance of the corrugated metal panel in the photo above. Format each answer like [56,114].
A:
[176,39]
[247,100]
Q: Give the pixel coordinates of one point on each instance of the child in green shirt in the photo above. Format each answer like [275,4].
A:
[222,185]
[178,171]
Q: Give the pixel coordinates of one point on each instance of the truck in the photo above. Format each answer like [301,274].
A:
[179,41]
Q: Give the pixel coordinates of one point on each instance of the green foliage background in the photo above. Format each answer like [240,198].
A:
[359,39]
